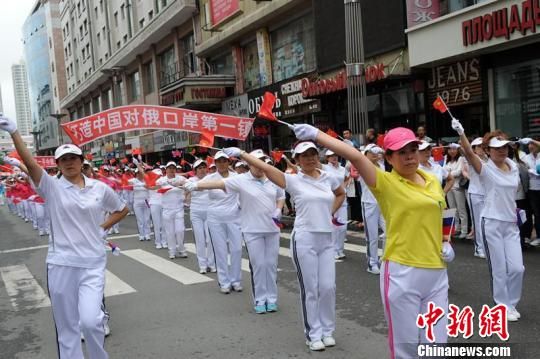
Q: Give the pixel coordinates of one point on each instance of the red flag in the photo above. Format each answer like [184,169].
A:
[163,190]
[437,153]
[380,141]
[277,156]
[332,133]
[268,103]
[150,178]
[209,160]
[183,162]
[14,154]
[206,139]
[136,151]
[112,161]
[6,168]
[124,161]
[89,157]
[439,105]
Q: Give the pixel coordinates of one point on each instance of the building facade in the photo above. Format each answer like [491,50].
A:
[43,51]
[22,102]
[483,58]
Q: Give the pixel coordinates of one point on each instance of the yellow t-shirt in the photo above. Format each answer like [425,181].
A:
[413,217]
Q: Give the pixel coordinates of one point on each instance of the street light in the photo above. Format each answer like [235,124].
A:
[36,140]
[58,117]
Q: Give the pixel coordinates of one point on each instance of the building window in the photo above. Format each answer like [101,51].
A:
[116,19]
[123,11]
[293,49]
[52,66]
[118,44]
[149,77]
[134,84]
[141,23]
[163,3]
[169,72]
[189,54]
[222,65]
[125,39]
[251,66]
[98,38]
[101,6]
[88,50]
[150,15]
[96,10]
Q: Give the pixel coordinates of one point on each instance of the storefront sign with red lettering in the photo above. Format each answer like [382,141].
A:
[221,10]
[502,23]
[142,117]
[208,92]
[45,161]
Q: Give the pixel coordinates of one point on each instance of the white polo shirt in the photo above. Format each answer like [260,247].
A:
[534,178]
[475,184]
[501,189]
[436,170]
[339,172]
[174,197]
[367,195]
[199,199]
[456,170]
[224,206]
[257,202]
[76,215]
[140,192]
[313,200]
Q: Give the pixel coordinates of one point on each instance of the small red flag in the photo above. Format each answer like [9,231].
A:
[437,153]
[206,139]
[277,156]
[332,133]
[150,178]
[136,151]
[268,103]
[380,141]
[14,154]
[124,161]
[89,157]
[439,105]
[209,160]
[163,190]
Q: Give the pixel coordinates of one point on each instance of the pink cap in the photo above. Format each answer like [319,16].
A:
[398,137]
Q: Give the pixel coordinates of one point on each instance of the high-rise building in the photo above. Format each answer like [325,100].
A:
[22,102]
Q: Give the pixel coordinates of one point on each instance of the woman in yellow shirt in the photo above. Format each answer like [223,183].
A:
[412,202]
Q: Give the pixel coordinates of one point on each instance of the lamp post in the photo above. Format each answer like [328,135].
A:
[58,117]
[36,140]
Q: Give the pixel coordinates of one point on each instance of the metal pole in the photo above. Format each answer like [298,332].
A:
[356,81]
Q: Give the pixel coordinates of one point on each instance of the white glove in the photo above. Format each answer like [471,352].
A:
[12,161]
[7,124]
[448,252]
[456,125]
[277,214]
[525,141]
[232,151]
[305,132]
[190,186]
[135,161]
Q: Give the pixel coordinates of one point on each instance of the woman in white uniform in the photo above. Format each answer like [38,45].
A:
[198,209]
[260,202]
[172,202]
[224,228]
[156,213]
[140,205]
[76,258]
[500,178]
[456,196]
[432,167]
[317,197]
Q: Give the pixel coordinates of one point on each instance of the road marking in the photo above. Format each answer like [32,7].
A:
[167,267]
[23,249]
[116,286]
[24,291]
[348,247]
[190,247]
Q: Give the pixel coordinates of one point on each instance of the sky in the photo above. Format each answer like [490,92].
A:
[12,17]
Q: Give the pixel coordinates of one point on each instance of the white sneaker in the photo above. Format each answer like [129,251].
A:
[41,233]
[480,255]
[374,270]
[518,315]
[116,231]
[511,316]
[165,246]
[159,246]
[317,345]
[202,270]
[329,341]
[213,270]
[237,287]
[172,256]
[535,242]
[141,239]
[341,255]
[527,240]
[225,290]
[182,254]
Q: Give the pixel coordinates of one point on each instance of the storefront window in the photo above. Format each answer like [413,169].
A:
[517,98]
[222,65]
[293,49]
[397,102]
[251,66]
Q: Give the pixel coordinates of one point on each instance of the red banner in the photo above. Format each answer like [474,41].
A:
[143,117]
[45,161]
[223,9]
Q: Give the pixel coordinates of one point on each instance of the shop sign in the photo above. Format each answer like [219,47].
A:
[172,97]
[458,83]
[208,93]
[181,139]
[221,10]
[235,106]
[502,23]
[420,11]
[294,103]
[263,49]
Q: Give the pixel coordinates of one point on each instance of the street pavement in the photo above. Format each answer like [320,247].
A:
[166,309]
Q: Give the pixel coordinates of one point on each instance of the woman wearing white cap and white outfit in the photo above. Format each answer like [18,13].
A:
[432,167]
[224,228]
[476,195]
[317,196]
[340,228]
[156,213]
[260,201]
[500,232]
[198,213]
[172,202]
[140,204]
[76,258]
[371,212]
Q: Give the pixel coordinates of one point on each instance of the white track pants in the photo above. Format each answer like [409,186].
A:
[27,210]
[205,251]
[33,214]
[173,225]
[406,292]
[263,252]
[157,215]
[76,297]
[476,204]
[227,237]
[505,260]
[142,215]
[313,257]
[373,220]
[41,218]
[340,232]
